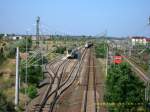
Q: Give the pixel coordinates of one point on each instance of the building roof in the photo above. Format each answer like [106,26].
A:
[138,37]
[148,39]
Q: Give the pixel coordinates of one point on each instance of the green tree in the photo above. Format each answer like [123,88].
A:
[10,50]
[34,69]
[22,43]
[32,91]
[34,74]
[122,86]
[60,50]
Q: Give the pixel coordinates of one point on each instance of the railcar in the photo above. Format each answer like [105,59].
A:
[88,44]
[72,53]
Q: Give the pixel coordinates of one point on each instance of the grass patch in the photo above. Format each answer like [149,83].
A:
[100,50]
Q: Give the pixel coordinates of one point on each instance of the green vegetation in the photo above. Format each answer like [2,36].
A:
[5,106]
[34,70]
[9,50]
[147,50]
[22,44]
[122,86]
[2,58]
[34,74]
[1,36]
[141,57]
[32,91]
[100,49]
[60,49]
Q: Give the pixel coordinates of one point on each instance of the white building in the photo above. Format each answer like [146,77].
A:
[138,41]
[17,37]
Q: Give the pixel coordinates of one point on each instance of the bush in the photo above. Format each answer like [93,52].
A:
[22,44]
[5,106]
[60,50]
[10,50]
[122,86]
[2,58]
[32,91]
[100,50]
[34,74]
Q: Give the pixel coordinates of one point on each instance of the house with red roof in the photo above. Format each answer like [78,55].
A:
[148,41]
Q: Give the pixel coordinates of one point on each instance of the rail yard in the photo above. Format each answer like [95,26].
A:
[74,56]
[63,74]
[78,78]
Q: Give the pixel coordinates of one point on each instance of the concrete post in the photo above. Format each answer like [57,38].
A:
[17,80]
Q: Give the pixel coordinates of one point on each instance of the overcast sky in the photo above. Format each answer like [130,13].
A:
[76,17]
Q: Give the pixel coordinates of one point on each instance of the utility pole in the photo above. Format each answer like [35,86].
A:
[26,76]
[147,89]
[17,80]
[149,62]
[107,51]
[130,46]
[37,30]
[148,46]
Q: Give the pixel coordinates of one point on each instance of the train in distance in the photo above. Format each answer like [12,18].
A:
[88,44]
[72,53]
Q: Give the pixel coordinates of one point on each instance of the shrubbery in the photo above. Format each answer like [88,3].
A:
[34,74]
[5,106]
[34,69]
[32,91]
[60,50]
[10,49]
[122,86]
[100,50]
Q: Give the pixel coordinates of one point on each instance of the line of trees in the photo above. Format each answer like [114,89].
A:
[122,86]
[9,50]
[34,75]
[101,50]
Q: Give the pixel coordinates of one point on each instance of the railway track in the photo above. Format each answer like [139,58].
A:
[49,67]
[68,82]
[139,72]
[49,70]
[133,60]
[56,86]
[39,103]
[33,105]
[51,86]
[90,99]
